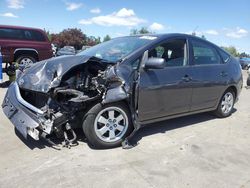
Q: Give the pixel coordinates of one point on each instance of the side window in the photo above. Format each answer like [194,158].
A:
[174,52]
[33,35]
[28,35]
[159,51]
[225,57]
[16,34]
[38,36]
[204,54]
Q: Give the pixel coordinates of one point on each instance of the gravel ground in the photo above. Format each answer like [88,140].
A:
[194,151]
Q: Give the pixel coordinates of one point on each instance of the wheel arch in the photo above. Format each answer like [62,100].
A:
[234,89]
[25,51]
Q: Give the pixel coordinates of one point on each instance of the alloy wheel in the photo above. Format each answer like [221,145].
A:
[111,124]
[227,103]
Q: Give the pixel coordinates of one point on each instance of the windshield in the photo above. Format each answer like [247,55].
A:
[118,48]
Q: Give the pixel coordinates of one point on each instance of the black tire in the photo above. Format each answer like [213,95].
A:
[23,57]
[248,80]
[89,126]
[219,112]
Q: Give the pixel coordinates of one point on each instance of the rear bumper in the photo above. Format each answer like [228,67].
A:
[25,117]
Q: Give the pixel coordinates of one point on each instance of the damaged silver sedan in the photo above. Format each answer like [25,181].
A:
[111,89]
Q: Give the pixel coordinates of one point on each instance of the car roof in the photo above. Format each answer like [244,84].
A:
[19,27]
[170,35]
[163,35]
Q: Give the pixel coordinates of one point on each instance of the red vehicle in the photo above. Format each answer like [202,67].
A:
[24,45]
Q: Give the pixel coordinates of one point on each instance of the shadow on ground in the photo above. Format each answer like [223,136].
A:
[5,84]
[148,130]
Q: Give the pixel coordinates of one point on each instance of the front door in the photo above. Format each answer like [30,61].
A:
[167,91]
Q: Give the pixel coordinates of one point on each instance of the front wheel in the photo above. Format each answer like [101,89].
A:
[226,104]
[106,126]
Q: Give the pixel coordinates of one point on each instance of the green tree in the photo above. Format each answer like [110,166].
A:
[48,34]
[244,54]
[91,41]
[232,50]
[143,30]
[106,38]
[98,40]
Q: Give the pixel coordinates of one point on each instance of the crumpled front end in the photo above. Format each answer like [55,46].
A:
[39,111]
[47,74]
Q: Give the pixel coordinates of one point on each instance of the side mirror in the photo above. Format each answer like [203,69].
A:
[155,63]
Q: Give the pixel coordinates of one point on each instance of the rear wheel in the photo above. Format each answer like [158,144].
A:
[226,104]
[26,60]
[107,125]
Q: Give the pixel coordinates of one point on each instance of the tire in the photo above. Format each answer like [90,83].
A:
[248,80]
[106,126]
[226,104]
[26,60]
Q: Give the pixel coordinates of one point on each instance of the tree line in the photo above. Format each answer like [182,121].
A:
[75,37]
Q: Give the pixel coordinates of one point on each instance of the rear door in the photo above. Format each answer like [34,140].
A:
[210,75]
[164,92]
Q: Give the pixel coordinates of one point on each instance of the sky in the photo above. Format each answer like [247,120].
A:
[223,22]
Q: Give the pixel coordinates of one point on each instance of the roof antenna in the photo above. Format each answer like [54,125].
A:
[194,31]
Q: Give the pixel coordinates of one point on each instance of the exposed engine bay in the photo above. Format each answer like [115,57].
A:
[65,106]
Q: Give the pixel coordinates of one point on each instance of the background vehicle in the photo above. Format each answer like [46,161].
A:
[83,48]
[245,63]
[115,87]
[54,49]
[66,50]
[24,45]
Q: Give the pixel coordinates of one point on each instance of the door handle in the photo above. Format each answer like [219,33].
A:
[186,78]
[223,74]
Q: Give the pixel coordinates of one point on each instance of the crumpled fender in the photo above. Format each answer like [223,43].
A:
[116,91]
[114,95]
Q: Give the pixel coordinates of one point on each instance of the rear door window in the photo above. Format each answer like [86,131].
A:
[37,36]
[20,34]
[204,54]
[34,35]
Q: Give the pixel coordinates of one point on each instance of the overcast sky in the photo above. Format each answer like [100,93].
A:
[224,22]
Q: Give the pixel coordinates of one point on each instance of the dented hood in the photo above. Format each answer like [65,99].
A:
[47,74]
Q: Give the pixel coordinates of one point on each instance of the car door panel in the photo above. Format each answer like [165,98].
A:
[208,84]
[164,92]
[210,76]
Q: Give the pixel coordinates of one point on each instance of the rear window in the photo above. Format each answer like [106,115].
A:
[21,34]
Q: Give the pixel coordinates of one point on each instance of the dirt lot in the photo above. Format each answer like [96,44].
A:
[195,151]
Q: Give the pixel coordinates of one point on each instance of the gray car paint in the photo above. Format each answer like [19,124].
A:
[152,95]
